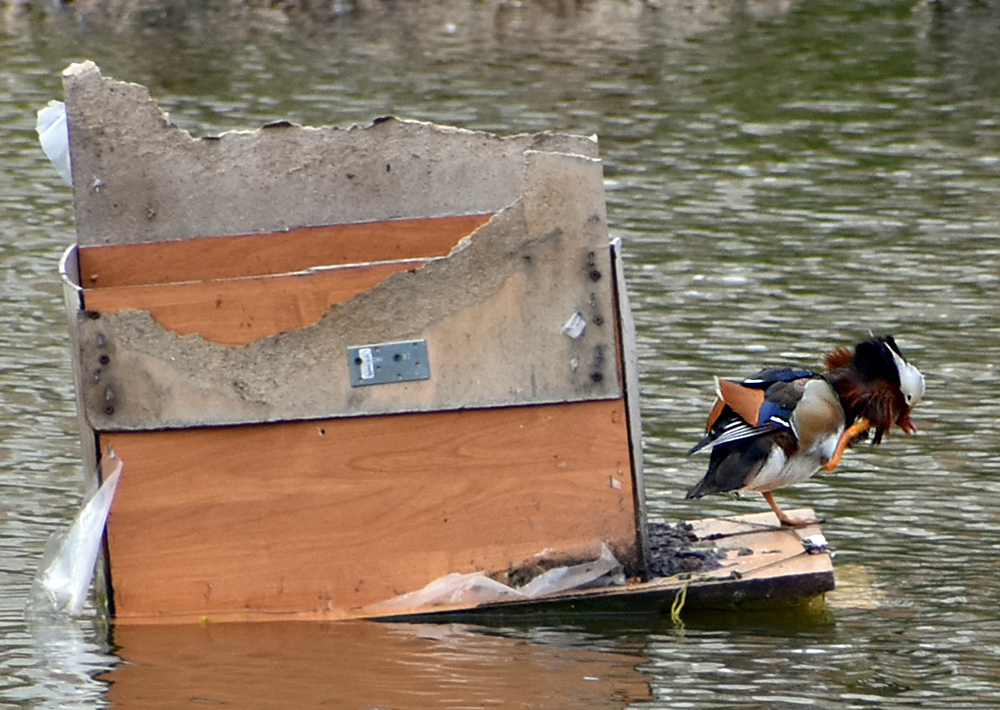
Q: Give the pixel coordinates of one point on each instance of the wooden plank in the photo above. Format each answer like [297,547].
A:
[762,565]
[240,311]
[208,258]
[324,517]
[710,529]
[629,358]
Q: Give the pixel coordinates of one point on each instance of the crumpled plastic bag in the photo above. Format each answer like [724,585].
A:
[54,137]
[605,571]
[477,588]
[67,565]
[454,588]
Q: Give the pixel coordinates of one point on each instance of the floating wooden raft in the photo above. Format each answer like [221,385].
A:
[342,363]
[759,564]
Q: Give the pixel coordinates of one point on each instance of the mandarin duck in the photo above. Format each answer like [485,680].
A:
[782,425]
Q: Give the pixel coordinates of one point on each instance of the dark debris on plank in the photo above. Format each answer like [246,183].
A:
[673,549]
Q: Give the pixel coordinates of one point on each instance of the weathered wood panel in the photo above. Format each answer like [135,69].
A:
[493,313]
[629,356]
[326,516]
[260,482]
[208,258]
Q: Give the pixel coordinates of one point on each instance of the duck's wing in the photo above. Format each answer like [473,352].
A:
[771,375]
[732,467]
[753,407]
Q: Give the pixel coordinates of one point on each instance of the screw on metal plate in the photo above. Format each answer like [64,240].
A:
[383,363]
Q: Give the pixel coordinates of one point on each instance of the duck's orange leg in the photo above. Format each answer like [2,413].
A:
[784,518]
[859,427]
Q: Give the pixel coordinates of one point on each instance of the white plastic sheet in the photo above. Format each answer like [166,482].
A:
[67,566]
[477,588]
[605,571]
[455,588]
[54,137]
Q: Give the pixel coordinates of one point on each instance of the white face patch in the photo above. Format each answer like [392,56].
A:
[911,382]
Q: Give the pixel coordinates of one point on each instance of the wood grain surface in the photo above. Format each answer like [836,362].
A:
[207,258]
[240,311]
[326,516]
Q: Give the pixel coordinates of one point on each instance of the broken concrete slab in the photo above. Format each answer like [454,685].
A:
[139,178]
[492,313]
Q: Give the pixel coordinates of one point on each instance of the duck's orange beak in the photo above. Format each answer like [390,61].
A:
[907,425]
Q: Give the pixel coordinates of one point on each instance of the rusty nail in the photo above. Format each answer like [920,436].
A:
[595,275]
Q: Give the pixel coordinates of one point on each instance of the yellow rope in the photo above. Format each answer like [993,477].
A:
[678,604]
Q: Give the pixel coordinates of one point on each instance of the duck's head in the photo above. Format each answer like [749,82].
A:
[877,382]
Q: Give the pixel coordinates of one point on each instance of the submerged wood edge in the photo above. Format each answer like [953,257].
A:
[645,598]
[652,597]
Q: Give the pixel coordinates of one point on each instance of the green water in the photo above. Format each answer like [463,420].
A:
[785,176]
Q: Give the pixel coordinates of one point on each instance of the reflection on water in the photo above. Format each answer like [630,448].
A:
[785,176]
[359,664]
[54,660]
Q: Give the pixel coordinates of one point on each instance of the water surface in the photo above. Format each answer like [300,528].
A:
[785,177]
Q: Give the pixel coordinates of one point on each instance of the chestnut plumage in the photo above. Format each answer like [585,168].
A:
[877,383]
[782,425]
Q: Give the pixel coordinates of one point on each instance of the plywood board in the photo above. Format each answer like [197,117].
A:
[139,178]
[240,311]
[211,258]
[328,516]
[630,366]
[493,313]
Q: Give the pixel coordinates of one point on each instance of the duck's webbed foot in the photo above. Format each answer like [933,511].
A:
[787,520]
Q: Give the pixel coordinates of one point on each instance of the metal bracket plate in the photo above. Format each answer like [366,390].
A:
[388,362]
